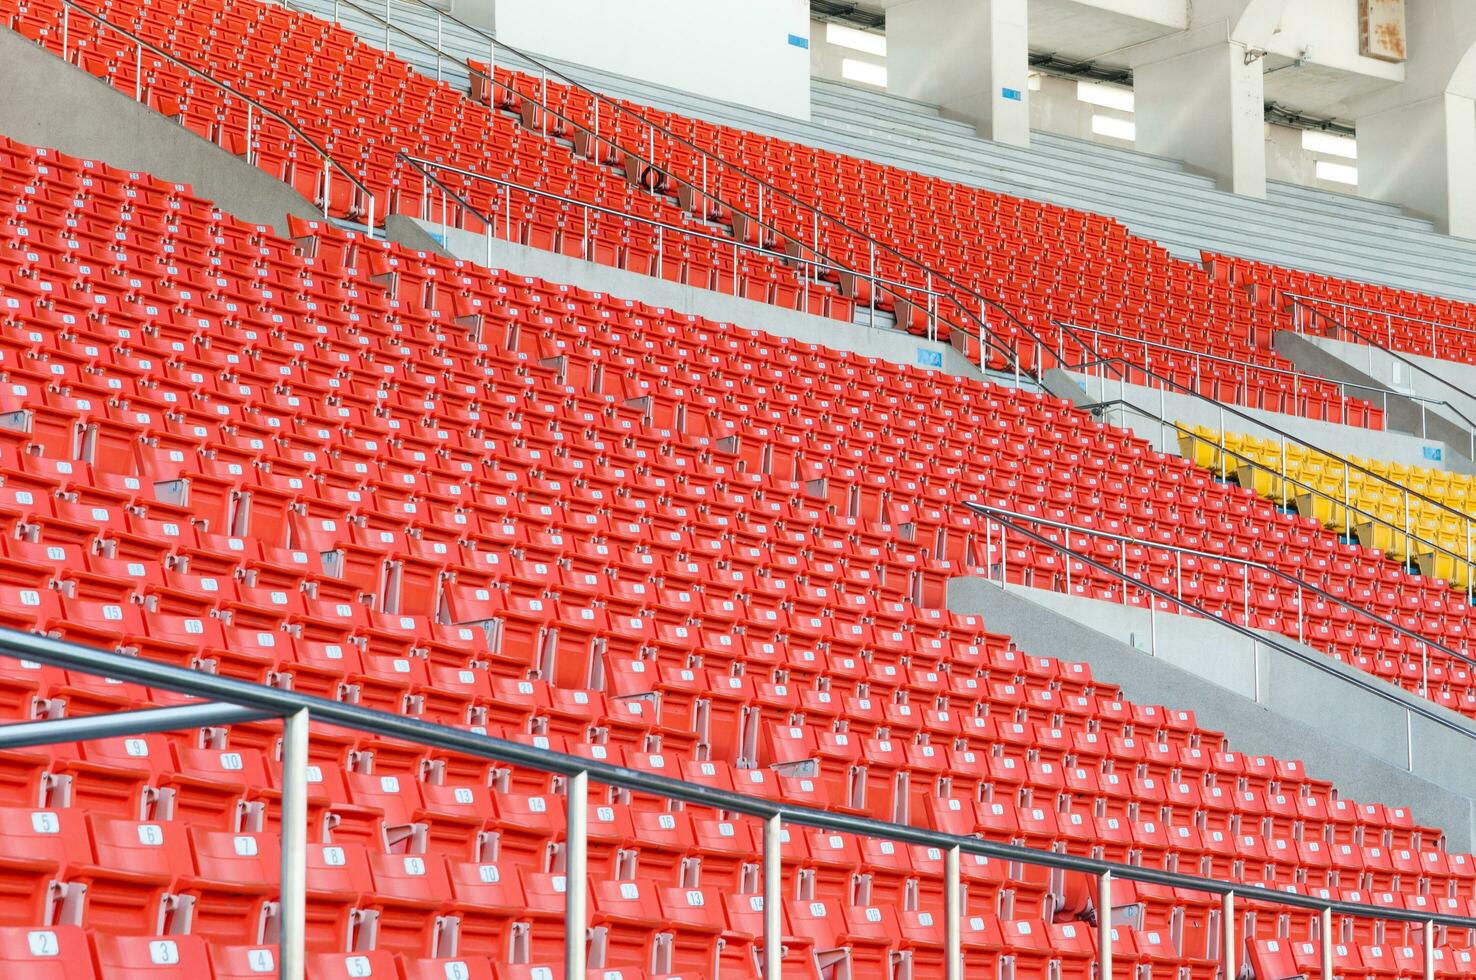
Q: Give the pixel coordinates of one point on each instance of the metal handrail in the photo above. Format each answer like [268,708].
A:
[1301,584]
[1389,315]
[1322,662]
[800,247]
[424,167]
[1300,302]
[1169,384]
[1346,502]
[1266,368]
[979,325]
[489,223]
[286,703]
[297,131]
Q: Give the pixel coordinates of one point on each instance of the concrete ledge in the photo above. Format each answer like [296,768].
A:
[48,102]
[1446,380]
[410,233]
[886,344]
[1266,702]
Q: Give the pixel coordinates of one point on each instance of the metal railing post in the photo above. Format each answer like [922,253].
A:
[773,909]
[1429,951]
[576,872]
[1123,552]
[1104,925]
[954,913]
[871,284]
[988,544]
[1227,927]
[292,933]
[1327,945]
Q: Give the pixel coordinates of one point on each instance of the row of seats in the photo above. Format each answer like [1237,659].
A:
[337,465]
[1414,514]
[1398,319]
[1045,264]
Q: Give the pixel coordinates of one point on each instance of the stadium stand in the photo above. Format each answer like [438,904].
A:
[336,465]
[1047,265]
[344,467]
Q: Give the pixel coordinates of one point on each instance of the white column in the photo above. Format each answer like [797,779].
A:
[968,57]
[1200,98]
[1416,139]
[1419,156]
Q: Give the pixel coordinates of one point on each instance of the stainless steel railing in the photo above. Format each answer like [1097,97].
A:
[1415,543]
[233,700]
[1000,523]
[255,111]
[1124,370]
[498,221]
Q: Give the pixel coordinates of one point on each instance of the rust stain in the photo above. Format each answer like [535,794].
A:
[1390,39]
[1381,29]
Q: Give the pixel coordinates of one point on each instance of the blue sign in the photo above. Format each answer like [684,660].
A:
[1433,452]
[929,358]
[1013,94]
[799,42]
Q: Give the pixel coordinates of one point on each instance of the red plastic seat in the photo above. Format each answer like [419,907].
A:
[50,953]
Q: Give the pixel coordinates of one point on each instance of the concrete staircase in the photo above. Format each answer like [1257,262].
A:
[1156,198]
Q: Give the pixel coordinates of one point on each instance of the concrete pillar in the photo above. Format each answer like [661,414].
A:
[968,57]
[1416,140]
[1419,156]
[1199,97]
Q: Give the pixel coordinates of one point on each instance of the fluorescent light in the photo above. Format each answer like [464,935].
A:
[1107,96]
[1336,146]
[1118,129]
[863,71]
[1338,173]
[849,37]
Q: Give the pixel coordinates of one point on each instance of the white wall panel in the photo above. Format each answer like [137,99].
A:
[741,51]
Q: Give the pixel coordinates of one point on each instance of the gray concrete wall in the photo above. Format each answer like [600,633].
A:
[1330,436]
[1401,412]
[887,344]
[48,102]
[1266,701]
[409,233]
[1443,380]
